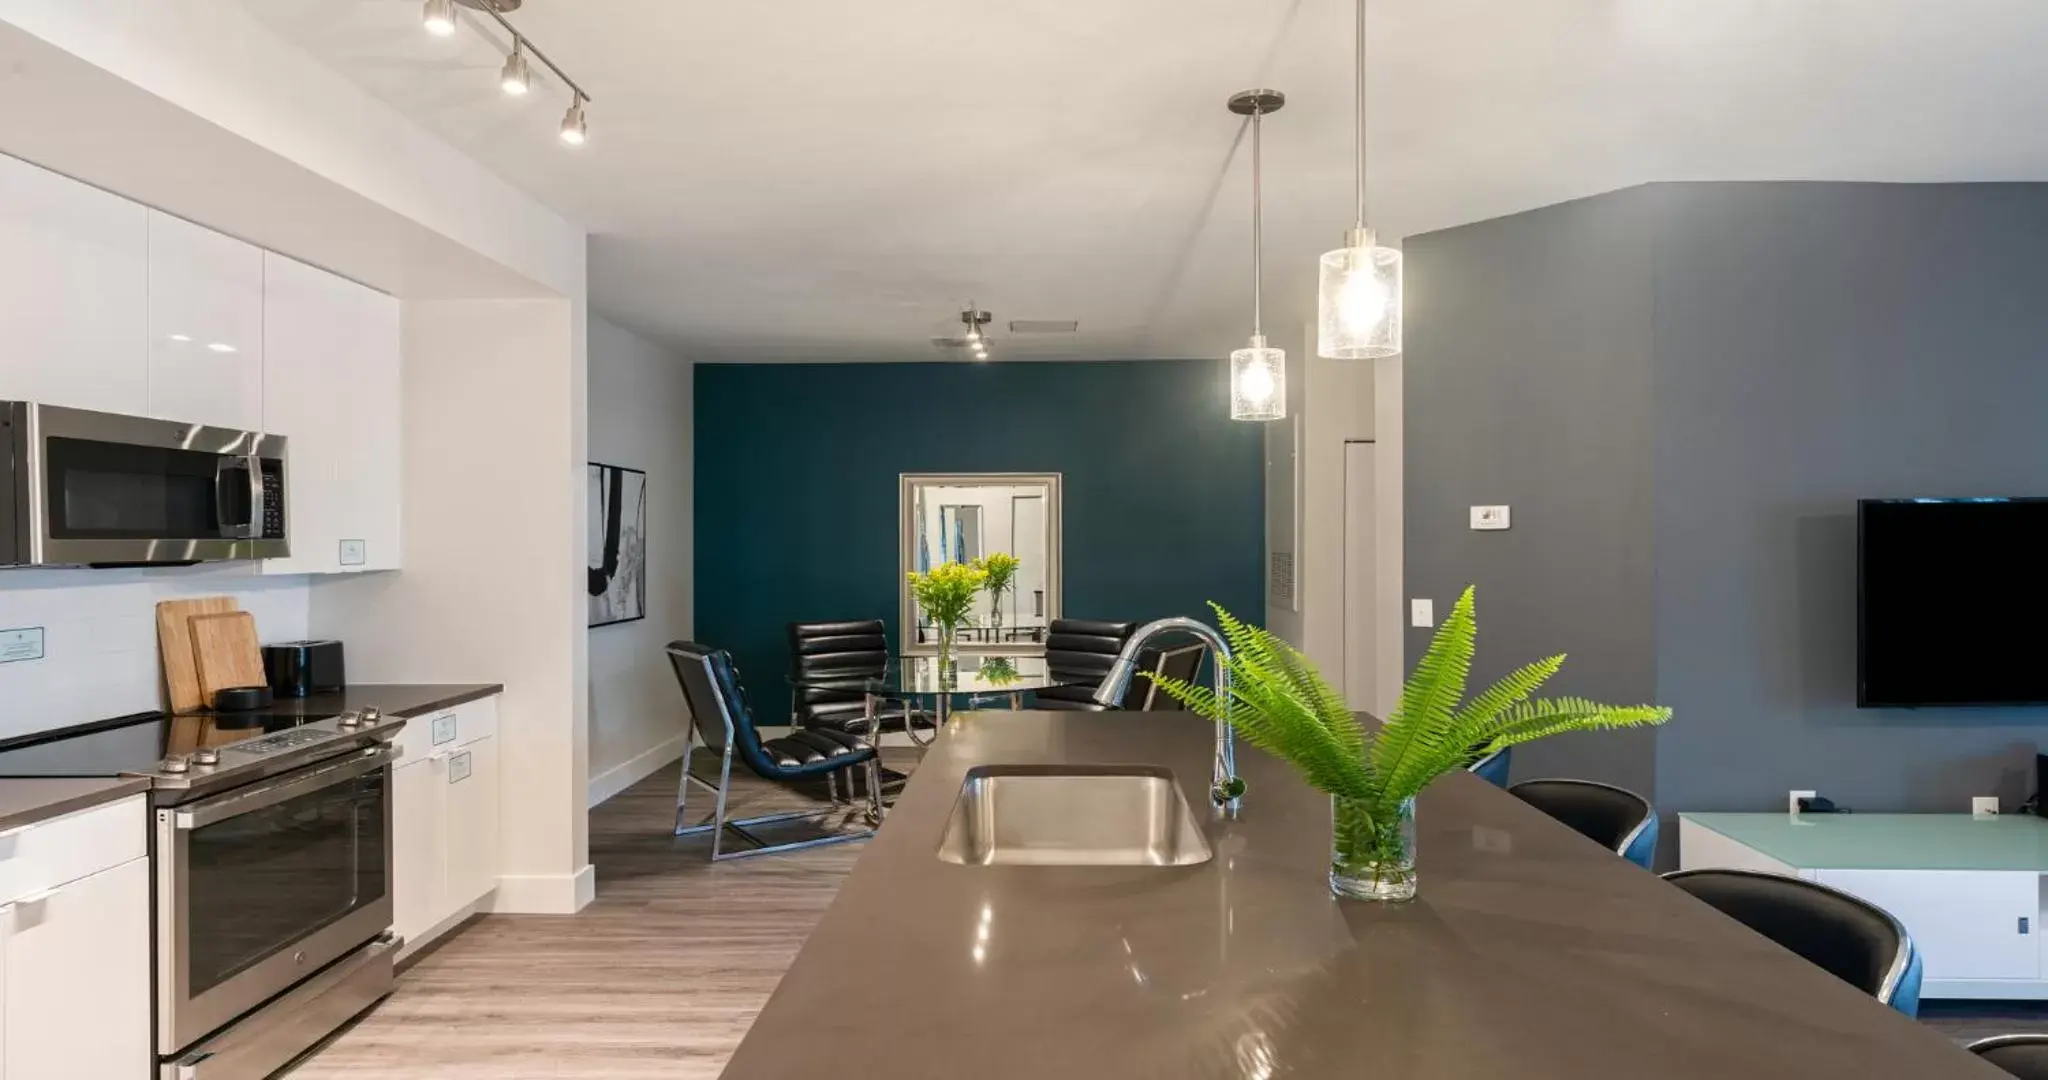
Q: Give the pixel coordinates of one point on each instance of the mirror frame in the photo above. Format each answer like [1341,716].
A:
[906,533]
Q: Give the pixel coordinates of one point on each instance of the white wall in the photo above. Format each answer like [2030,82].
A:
[640,418]
[492,589]
[99,636]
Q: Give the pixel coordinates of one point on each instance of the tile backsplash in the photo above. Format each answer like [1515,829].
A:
[99,636]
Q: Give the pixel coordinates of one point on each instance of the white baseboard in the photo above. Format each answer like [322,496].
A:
[545,894]
[636,768]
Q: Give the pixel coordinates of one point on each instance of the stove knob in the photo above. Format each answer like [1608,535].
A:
[349,721]
[372,716]
[175,764]
[206,756]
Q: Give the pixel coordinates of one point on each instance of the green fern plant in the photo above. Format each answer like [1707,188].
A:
[1280,703]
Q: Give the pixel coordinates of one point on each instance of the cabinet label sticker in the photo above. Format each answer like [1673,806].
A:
[25,643]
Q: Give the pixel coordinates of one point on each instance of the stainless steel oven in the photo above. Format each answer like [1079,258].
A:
[261,888]
[88,489]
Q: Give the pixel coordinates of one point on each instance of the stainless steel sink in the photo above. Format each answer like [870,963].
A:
[1072,815]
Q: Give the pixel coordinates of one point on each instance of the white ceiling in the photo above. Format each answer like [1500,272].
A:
[812,179]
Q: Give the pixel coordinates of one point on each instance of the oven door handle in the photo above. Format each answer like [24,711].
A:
[256,499]
[220,808]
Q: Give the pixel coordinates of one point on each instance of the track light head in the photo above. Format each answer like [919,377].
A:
[517,77]
[575,128]
[439,17]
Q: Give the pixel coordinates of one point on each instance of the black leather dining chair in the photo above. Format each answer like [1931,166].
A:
[2024,1056]
[720,717]
[1182,662]
[1849,937]
[856,648]
[1615,818]
[1082,650]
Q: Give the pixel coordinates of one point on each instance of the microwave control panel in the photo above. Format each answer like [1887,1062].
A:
[273,499]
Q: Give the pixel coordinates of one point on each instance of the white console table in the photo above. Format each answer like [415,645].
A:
[1968,890]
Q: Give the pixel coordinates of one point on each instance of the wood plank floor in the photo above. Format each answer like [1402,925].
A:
[662,975]
[659,977]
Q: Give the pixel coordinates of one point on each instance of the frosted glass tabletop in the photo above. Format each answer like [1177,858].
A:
[1888,841]
[908,676]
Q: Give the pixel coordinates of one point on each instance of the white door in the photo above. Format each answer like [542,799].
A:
[1968,924]
[1025,607]
[74,293]
[205,326]
[471,777]
[78,984]
[1361,577]
[417,856]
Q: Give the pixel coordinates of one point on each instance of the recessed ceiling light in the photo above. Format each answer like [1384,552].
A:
[220,346]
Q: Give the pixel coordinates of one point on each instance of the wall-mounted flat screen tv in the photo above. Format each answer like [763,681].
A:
[1952,602]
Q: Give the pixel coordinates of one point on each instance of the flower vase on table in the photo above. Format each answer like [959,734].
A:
[1372,859]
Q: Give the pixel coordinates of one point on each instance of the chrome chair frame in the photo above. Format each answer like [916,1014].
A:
[719,824]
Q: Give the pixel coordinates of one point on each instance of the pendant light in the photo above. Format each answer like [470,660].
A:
[1358,293]
[1258,374]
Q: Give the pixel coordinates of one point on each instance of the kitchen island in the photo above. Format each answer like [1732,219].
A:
[1531,952]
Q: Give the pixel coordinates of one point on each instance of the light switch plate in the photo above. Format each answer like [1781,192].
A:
[1984,806]
[25,643]
[354,552]
[1489,518]
[1422,613]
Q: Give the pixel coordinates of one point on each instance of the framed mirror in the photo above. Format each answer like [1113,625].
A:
[961,517]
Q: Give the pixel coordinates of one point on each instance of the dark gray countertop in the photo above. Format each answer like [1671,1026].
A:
[395,699]
[1531,952]
[28,800]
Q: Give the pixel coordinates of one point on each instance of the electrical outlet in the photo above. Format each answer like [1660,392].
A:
[1792,803]
[1489,518]
[1422,613]
[354,552]
[1984,806]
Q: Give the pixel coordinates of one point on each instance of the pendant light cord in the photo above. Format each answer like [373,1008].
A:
[1258,233]
[1359,146]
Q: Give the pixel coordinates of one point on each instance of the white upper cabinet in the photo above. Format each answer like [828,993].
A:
[73,292]
[205,326]
[331,386]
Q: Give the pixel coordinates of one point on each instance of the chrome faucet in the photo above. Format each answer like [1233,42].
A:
[1225,789]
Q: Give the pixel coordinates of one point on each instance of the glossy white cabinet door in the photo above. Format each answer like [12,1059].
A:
[472,777]
[418,858]
[73,292]
[205,326]
[77,971]
[330,385]
[1968,924]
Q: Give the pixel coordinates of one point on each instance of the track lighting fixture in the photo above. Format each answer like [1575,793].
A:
[575,129]
[976,337]
[516,78]
[439,17]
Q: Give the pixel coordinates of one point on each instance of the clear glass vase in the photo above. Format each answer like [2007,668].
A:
[1372,859]
[948,637]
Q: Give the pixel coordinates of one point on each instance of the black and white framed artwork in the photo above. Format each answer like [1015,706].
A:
[618,544]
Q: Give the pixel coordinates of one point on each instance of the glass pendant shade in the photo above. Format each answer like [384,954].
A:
[1359,301]
[1258,382]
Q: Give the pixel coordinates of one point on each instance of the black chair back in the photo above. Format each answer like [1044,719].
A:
[1182,662]
[856,647]
[1615,818]
[2024,1056]
[1083,650]
[1858,942]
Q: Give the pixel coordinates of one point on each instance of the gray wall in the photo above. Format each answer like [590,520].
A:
[1816,344]
[1528,383]
[1798,346]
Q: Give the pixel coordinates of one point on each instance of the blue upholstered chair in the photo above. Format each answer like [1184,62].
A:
[1493,768]
[1615,818]
[720,717]
[1855,940]
[2024,1056]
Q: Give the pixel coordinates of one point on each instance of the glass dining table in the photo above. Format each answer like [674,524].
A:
[914,679]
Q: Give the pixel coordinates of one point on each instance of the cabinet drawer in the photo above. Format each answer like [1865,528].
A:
[445,729]
[50,853]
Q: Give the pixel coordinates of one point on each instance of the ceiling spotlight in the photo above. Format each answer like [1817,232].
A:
[439,17]
[516,77]
[975,337]
[575,129]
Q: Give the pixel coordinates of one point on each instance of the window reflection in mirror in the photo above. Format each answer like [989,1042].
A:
[960,517]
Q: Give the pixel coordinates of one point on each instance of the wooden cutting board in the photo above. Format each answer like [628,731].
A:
[174,640]
[225,648]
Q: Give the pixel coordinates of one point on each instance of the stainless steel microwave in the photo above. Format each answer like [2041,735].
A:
[99,489]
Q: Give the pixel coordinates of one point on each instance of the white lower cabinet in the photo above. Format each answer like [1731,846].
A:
[75,995]
[445,819]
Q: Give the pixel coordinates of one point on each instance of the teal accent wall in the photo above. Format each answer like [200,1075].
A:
[796,489]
